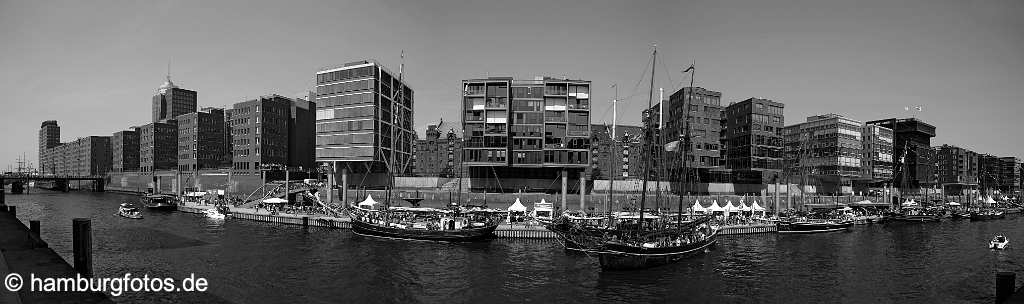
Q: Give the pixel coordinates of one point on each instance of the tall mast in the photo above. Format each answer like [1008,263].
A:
[614,153]
[396,98]
[647,137]
[686,145]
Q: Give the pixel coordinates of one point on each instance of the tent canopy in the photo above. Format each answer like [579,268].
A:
[756,208]
[953,204]
[368,201]
[697,207]
[729,207]
[746,208]
[517,206]
[715,207]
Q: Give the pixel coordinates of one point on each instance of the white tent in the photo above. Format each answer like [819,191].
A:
[731,208]
[989,200]
[910,203]
[517,206]
[369,202]
[698,208]
[275,200]
[756,208]
[715,207]
[746,208]
[953,204]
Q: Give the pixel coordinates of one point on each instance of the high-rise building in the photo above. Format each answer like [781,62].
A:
[264,132]
[201,140]
[125,151]
[914,166]
[49,137]
[753,140]
[877,161]
[171,101]
[158,146]
[703,109]
[826,150]
[957,169]
[1009,175]
[438,155]
[364,115]
[525,133]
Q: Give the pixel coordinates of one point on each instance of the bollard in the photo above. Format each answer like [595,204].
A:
[34,227]
[82,245]
[13,210]
[1005,283]
[305,221]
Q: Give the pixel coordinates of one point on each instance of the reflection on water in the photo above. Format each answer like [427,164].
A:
[249,262]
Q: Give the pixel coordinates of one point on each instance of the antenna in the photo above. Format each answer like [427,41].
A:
[168,70]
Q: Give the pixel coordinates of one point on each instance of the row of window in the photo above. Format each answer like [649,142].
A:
[366,71]
[344,139]
[357,112]
[338,88]
[345,100]
[344,126]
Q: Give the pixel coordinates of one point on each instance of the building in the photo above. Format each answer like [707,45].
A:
[703,109]
[86,156]
[364,116]
[753,140]
[877,161]
[525,133]
[825,151]
[158,146]
[625,151]
[125,151]
[1009,175]
[201,140]
[438,155]
[957,168]
[171,101]
[912,145]
[49,137]
[263,131]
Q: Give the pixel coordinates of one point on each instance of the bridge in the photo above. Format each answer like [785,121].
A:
[61,181]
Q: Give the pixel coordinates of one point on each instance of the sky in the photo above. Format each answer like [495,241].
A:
[94,65]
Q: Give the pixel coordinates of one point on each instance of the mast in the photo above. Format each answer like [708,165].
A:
[614,153]
[394,125]
[686,145]
[647,138]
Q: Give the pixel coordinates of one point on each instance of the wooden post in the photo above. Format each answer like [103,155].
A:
[34,227]
[1005,285]
[13,210]
[583,191]
[344,186]
[305,221]
[565,188]
[82,245]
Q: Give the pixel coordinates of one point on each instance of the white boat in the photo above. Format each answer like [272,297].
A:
[129,211]
[214,214]
[999,242]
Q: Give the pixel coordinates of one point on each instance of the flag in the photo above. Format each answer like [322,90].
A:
[919,109]
[906,108]
[688,69]
[672,146]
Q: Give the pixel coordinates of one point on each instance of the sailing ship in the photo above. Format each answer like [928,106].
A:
[644,240]
[430,224]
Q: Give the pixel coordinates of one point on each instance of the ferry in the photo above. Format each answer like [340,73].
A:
[129,211]
[159,202]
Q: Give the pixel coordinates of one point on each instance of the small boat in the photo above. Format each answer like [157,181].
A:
[656,247]
[129,211]
[915,214]
[999,242]
[214,214]
[159,202]
[985,215]
[804,225]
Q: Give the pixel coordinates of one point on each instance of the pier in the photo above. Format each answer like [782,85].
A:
[23,252]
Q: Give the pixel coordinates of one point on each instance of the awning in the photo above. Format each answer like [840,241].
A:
[517,206]
[697,207]
[275,200]
[953,204]
[715,207]
[756,208]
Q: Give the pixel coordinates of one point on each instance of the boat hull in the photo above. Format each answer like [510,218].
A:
[813,227]
[461,235]
[916,218]
[986,217]
[620,257]
[164,207]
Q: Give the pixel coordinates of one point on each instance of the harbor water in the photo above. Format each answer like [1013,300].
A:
[253,262]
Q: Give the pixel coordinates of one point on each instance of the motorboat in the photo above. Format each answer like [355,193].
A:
[214,214]
[805,225]
[159,202]
[129,211]
[999,242]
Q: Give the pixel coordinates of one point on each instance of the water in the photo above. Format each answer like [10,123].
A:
[250,262]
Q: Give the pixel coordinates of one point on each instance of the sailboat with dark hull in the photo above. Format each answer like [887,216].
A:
[644,240]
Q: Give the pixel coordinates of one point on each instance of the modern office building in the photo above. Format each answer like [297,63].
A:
[201,140]
[877,158]
[625,151]
[525,134]
[1009,175]
[171,101]
[49,137]
[264,132]
[439,155]
[86,156]
[703,109]
[125,151]
[158,146]
[912,152]
[825,151]
[753,140]
[364,116]
[957,169]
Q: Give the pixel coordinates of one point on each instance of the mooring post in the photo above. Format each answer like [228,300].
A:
[13,210]
[82,245]
[305,221]
[33,226]
[1005,283]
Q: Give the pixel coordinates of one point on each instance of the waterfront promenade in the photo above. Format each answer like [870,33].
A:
[23,254]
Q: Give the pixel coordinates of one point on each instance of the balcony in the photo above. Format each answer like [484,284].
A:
[554,119]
